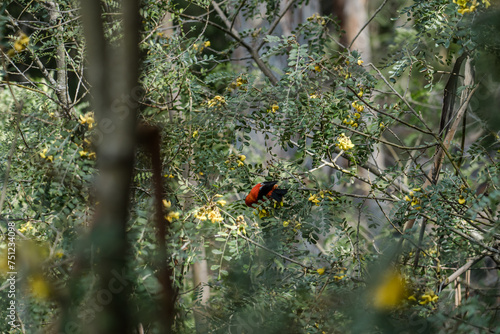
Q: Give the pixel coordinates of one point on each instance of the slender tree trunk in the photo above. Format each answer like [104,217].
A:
[113,74]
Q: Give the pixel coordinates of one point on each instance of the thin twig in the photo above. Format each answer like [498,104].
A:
[367,23]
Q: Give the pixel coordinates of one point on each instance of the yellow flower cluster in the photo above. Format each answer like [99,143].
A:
[340,275]
[344,142]
[211,211]
[172,214]
[317,18]
[413,198]
[26,227]
[88,119]
[43,155]
[238,84]
[212,214]
[352,122]
[357,106]
[217,101]
[241,224]
[426,298]
[20,44]
[316,198]
[200,47]
[320,271]
[468,6]
[238,159]
[274,107]
[85,153]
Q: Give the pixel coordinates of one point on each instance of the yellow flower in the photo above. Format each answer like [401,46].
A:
[240,82]
[360,62]
[242,157]
[274,108]
[338,278]
[313,96]
[428,298]
[88,119]
[166,204]
[201,215]
[42,153]
[263,213]
[461,200]
[320,271]
[241,228]
[206,44]
[297,227]
[195,134]
[344,142]
[201,173]
[317,68]
[173,215]
[314,198]
[26,227]
[83,153]
[217,101]
[390,292]
[286,223]
[412,298]
[240,163]
[59,254]
[21,42]
[221,202]
[214,216]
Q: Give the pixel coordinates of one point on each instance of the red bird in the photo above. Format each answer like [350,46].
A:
[268,189]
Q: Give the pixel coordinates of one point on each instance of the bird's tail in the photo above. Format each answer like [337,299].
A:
[278,194]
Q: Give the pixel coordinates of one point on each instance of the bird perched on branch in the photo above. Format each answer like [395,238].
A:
[267,189]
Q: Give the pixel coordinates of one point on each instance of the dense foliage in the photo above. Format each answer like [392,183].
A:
[392,169]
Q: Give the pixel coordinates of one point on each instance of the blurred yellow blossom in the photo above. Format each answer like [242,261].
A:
[39,286]
[20,43]
[320,271]
[344,142]
[173,215]
[273,108]
[461,200]
[314,198]
[390,292]
[217,101]
[428,298]
[43,154]
[88,119]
